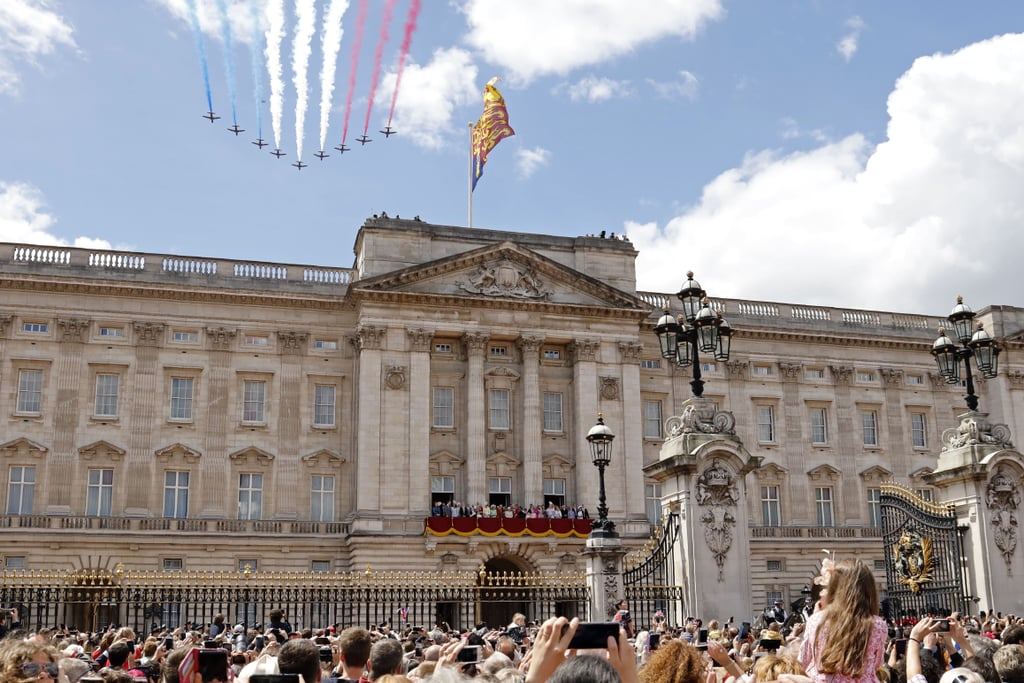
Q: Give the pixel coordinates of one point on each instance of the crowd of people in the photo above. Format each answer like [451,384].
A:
[516,511]
[844,641]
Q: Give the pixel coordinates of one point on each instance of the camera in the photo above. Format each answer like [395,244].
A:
[326,655]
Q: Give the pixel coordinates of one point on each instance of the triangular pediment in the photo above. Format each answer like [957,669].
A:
[824,473]
[921,473]
[324,458]
[501,464]
[178,451]
[557,467]
[771,472]
[23,446]
[506,272]
[102,450]
[876,474]
[251,456]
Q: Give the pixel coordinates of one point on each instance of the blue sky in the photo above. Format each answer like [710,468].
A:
[864,154]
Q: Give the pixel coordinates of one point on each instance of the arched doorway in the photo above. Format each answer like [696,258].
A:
[502,600]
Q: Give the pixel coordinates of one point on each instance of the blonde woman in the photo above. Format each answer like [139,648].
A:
[844,641]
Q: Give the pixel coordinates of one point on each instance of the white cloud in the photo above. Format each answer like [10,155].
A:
[529,160]
[593,89]
[934,211]
[531,38]
[24,218]
[791,130]
[429,96]
[686,86]
[847,45]
[28,29]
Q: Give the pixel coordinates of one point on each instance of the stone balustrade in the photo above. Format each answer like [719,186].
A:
[757,532]
[262,527]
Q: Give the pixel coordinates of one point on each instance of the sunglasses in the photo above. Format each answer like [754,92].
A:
[34,669]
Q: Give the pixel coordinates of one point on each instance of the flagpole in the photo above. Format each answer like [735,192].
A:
[470,185]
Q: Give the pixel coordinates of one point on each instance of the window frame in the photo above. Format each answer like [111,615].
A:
[257,414]
[816,429]
[436,391]
[556,425]
[499,417]
[247,489]
[320,407]
[21,486]
[869,433]
[186,401]
[175,490]
[770,437]
[22,407]
[771,505]
[116,396]
[824,506]
[322,497]
[99,494]
[918,433]
[653,423]
[874,500]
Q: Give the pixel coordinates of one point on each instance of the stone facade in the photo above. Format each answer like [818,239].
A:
[157,399]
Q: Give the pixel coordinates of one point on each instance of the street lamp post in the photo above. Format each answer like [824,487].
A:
[703,330]
[978,345]
[600,438]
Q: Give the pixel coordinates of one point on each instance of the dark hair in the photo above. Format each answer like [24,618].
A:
[300,656]
[1012,635]
[385,657]
[585,669]
[277,615]
[117,654]
[171,664]
[982,664]
[355,646]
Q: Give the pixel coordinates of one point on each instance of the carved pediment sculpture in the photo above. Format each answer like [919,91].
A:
[1002,495]
[505,278]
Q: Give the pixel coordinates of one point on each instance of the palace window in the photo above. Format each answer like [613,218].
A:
[869,421]
[176,494]
[106,395]
[650,364]
[875,507]
[823,506]
[323,405]
[112,332]
[186,336]
[765,424]
[917,430]
[652,499]
[499,491]
[819,427]
[652,419]
[442,489]
[771,510]
[554,492]
[250,496]
[499,410]
[444,408]
[553,412]
[21,488]
[253,401]
[39,328]
[100,493]
[181,398]
[326,344]
[30,391]
[321,506]
[814,373]
[256,340]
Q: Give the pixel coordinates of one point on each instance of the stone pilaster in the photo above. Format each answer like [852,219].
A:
[369,343]
[146,397]
[476,427]
[288,487]
[584,354]
[533,426]
[628,460]
[604,576]
[218,487]
[899,448]
[418,498]
[849,431]
[71,333]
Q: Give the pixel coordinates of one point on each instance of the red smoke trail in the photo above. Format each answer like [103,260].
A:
[364,9]
[410,27]
[389,9]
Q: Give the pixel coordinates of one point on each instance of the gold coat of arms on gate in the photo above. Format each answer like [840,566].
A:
[913,559]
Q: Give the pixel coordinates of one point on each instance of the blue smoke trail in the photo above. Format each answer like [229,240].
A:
[193,17]
[229,55]
[257,66]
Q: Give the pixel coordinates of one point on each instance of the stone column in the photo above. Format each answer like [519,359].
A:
[218,496]
[585,396]
[146,497]
[292,394]
[369,341]
[533,424]
[476,424]
[900,448]
[67,377]
[980,474]
[604,576]
[419,422]
[631,450]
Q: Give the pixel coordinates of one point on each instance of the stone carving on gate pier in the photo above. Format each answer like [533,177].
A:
[717,492]
[701,417]
[1003,499]
[974,429]
[394,376]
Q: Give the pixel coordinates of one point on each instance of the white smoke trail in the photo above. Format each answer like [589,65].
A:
[275,34]
[330,44]
[305,26]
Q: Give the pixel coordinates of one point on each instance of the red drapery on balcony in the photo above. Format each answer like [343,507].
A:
[504,526]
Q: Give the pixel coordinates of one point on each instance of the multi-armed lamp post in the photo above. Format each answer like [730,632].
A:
[974,342]
[704,330]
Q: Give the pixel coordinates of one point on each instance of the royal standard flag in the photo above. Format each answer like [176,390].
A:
[490,129]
